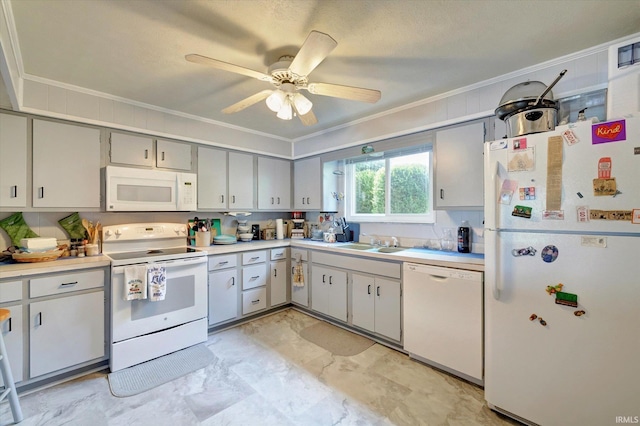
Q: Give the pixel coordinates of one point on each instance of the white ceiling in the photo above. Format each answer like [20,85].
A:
[408,49]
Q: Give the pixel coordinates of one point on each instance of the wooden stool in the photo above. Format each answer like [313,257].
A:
[7,377]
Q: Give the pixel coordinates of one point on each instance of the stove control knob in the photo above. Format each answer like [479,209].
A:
[108,233]
[118,232]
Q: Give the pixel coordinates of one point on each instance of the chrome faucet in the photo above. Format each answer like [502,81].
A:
[395,241]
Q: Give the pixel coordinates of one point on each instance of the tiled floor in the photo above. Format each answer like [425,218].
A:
[264,373]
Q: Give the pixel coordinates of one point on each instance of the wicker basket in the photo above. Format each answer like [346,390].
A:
[44,256]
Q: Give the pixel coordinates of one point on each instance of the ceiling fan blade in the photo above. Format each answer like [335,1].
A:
[315,48]
[203,60]
[344,92]
[309,119]
[247,102]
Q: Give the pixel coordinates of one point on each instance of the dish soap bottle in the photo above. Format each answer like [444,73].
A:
[464,237]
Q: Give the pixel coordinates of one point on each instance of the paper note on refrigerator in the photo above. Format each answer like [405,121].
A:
[554,173]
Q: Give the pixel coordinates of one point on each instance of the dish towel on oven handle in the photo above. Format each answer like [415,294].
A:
[157,282]
[135,282]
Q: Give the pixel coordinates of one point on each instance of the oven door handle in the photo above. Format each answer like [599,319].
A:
[167,264]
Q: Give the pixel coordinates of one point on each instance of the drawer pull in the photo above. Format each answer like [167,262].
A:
[254,278]
[68,284]
[279,254]
[253,302]
[222,263]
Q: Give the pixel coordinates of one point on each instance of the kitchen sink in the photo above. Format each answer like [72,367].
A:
[390,249]
[357,246]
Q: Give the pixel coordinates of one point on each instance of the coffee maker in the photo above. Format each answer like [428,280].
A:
[297,228]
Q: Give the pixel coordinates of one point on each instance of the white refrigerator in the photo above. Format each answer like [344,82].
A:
[562,275]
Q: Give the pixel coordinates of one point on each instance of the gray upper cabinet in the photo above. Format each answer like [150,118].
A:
[212,178]
[66,165]
[459,167]
[132,150]
[13,161]
[173,155]
[307,181]
[241,181]
[137,150]
[274,184]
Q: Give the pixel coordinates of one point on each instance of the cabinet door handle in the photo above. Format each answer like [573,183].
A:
[222,198]
[330,279]
[146,154]
[271,200]
[14,191]
[9,324]
[41,192]
[293,270]
[308,202]
[442,194]
[68,284]
[303,200]
[253,302]
[278,200]
[162,155]
[39,318]
[233,280]
[233,199]
[378,291]
[323,278]
[275,272]
[369,289]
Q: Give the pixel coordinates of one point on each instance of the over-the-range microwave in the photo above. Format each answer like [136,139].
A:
[130,189]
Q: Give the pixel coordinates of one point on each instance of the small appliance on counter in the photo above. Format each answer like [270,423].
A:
[297,229]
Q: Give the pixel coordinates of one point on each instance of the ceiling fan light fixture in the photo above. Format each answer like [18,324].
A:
[302,104]
[276,100]
[286,112]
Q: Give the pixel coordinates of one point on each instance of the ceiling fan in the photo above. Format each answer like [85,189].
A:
[289,76]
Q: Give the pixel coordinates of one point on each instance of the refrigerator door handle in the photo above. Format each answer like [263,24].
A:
[492,268]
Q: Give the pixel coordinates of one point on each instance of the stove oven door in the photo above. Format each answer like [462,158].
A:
[185,300]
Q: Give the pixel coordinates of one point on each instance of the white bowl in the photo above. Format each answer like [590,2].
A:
[246,237]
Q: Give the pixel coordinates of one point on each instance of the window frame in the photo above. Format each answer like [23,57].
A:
[388,217]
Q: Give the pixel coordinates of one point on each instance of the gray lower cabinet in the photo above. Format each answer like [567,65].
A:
[223,288]
[254,281]
[329,292]
[376,305]
[65,331]
[278,277]
[58,326]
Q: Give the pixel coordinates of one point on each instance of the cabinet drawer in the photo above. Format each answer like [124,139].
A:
[304,256]
[254,257]
[223,262]
[254,300]
[58,284]
[254,276]
[279,253]
[10,291]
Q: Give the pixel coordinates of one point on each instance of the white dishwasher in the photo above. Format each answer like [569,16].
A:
[443,322]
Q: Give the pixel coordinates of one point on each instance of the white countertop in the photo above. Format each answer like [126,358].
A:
[473,262]
[63,264]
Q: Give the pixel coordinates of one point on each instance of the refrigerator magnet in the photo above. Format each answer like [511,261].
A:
[567,299]
[553,289]
[507,190]
[522,160]
[520,143]
[570,137]
[635,216]
[604,168]
[528,193]
[549,253]
[522,211]
[583,213]
[579,313]
[604,187]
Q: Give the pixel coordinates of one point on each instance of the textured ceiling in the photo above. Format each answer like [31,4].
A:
[408,49]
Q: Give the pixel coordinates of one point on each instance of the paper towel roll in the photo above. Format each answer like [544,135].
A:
[279,229]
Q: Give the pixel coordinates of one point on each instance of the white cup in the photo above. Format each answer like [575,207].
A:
[203,238]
